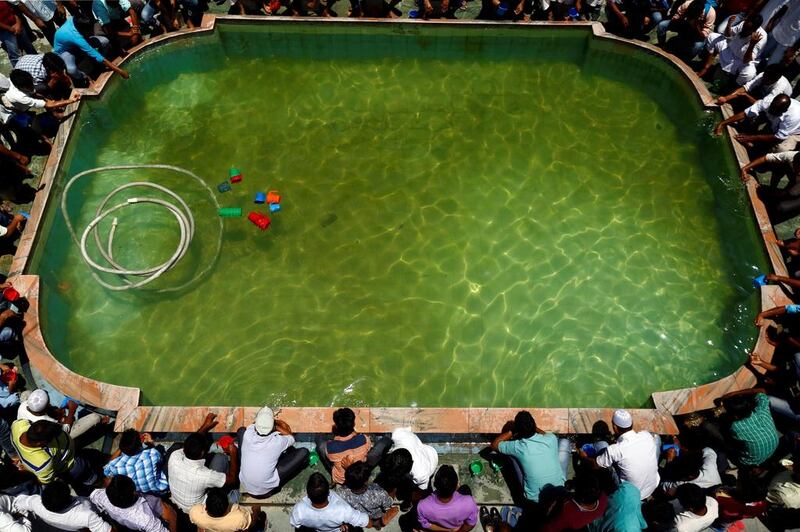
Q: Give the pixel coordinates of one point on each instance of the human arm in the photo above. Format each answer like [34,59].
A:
[232,476]
[769,314]
[776,18]
[738,117]
[209,423]
[41,24]
[749,166]
[111,66]
[506,435]
[729,25]
[794,283]
[755,38]
[56,104]
[751,391]
[755,360]
[752,139]
[614,9]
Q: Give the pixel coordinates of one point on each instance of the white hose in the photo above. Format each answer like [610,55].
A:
[179,209]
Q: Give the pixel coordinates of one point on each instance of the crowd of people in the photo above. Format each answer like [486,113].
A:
[740,460]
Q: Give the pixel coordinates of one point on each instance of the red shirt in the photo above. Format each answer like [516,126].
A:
[7,15]
[572,517]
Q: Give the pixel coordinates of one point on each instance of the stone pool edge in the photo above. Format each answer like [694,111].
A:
[125,400]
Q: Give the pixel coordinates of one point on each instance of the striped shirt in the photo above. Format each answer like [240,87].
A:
[32,64]
[144,468]
[756,434]
[57,457]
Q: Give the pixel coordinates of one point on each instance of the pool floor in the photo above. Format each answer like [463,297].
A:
[454,233]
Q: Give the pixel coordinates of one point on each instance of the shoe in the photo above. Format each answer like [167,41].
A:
[494,517]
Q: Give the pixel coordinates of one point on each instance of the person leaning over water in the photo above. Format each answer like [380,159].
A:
[767,84]
[783,130]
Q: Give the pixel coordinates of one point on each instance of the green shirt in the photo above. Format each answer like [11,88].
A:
[756,434]
[538,458]
[624,512]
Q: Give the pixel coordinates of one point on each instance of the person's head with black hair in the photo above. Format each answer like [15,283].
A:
[524,425]
[121,491]
[84,25]
[217,502]
[445,482]
[687,466]
[21,80]
[195,447]
[22,304]
[56,496]
[692,498]
[317,489]
[601,432]
[587,489]
[344,422]
[398,462]
[660,516]
[53,64]
[130,442]
[42,432]
[357,475]
[751,24]
[773,73]
[695,9]
[740,407]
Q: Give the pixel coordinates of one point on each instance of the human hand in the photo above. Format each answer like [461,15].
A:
[756,37]
[124,74]
[390,514]
[17,28]
[518,9]
[718,129]
[72,406]
[745,177]
[721,100]
[8,313]
[209,422]
[428,7]
[625,22]
[146,437]
[759,321]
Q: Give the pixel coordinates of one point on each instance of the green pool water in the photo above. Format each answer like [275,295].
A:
[471,217]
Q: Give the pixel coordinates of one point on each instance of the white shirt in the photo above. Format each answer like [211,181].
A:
[16,101]
[24,413]
[787,30]
[708,477]
[770,9]
[635,458]
[189,480]
[686,521]
[7,522]
[757,89]
[260,454]
[138,517]
[783,126]
[79,515]
[783,491]
[43,9]
[731,58]
[327,519]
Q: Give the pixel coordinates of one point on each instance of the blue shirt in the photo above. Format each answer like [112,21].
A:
[538,458]
[105,15]
[145,469]
[69,39]
[7,399]
[623,513]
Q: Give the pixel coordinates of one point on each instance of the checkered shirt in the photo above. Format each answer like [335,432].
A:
[32,64]
[756,434]
[144,469]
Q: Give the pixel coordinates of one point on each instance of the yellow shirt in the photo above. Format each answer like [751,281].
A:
[236,519]
[57,457]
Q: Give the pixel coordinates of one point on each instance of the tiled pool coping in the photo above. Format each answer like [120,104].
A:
[125,400]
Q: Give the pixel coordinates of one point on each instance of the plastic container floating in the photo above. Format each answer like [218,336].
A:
[760,281]
[230,212]
[273,197]
[260,197]
[274,207]
[235,175]
[261,220]
[224,186]
[313,458]
[476,467]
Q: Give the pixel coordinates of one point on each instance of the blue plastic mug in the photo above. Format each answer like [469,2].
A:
[760,281]
[502,9]
[573,14]
[413,14]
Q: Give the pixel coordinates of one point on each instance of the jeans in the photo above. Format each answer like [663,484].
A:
[12,44]
[98,42]
[82,472]
[692,48]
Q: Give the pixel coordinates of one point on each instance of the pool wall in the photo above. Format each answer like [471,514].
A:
[125,401]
